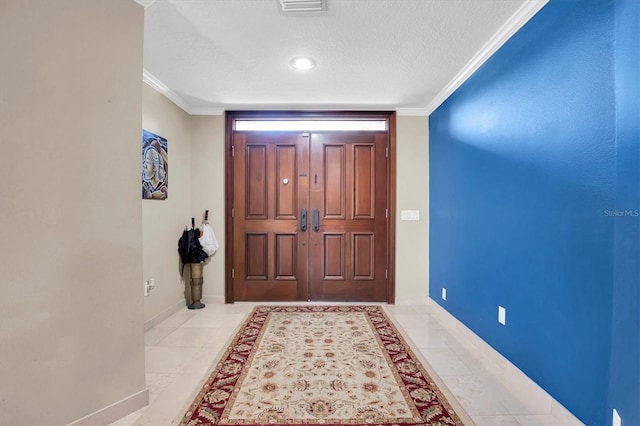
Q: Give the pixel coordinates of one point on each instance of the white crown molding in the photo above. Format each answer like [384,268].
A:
[521,17]
[152,81]
[145,3]
[206,111]
[415,112]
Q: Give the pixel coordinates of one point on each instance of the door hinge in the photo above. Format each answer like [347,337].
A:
[386,274]
[386,152]
[233,150]
[233,212]
[386,213]
[233,273]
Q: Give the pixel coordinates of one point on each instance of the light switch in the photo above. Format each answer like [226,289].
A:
[502,315]
[410,215]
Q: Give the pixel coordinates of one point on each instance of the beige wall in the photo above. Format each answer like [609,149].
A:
[164,220]
[206,177]
[412,237]
[71,335]
[207,193]
[196,184]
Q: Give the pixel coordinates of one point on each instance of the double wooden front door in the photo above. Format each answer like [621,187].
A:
[310,216]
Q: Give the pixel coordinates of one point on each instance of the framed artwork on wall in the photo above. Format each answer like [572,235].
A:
[155,166]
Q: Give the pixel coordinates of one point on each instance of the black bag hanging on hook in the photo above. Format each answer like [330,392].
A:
[189,246]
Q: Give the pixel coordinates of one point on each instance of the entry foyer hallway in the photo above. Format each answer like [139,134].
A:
[180,352]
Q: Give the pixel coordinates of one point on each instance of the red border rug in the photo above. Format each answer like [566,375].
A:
[320,365]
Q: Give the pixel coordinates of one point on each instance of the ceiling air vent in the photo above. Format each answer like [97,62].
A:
[302,6]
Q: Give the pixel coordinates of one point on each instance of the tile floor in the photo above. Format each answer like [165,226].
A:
[181,350]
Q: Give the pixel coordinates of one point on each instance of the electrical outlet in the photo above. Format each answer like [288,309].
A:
[149,285]
[617,421]
[444,293]
[502,315]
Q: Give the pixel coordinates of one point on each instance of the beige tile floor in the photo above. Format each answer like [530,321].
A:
[181,349]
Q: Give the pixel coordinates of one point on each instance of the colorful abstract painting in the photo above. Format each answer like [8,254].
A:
[155,166]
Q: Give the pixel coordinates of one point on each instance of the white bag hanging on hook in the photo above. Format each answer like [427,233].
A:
[208,239]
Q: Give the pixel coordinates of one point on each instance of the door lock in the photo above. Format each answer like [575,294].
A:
[316,220]
[303,220]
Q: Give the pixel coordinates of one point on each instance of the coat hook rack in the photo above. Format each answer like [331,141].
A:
[206,215]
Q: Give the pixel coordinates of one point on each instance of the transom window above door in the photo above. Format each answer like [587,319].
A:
[311,125]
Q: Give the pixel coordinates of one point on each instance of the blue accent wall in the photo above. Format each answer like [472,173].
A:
[624,381]
[534,198]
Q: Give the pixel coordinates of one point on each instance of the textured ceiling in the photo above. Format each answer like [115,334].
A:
[211,55]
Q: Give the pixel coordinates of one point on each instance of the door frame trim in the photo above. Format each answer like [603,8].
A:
[232,116]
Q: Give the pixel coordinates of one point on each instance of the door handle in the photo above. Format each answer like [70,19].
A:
[303,220]
[316,220]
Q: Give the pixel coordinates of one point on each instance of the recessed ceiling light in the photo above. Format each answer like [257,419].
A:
[302,63]
[302,6]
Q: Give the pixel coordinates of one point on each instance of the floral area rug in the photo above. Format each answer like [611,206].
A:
[329,365]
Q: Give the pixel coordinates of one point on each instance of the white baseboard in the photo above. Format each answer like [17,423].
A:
[412,300]
[503,367]
[213,299]
[115,411]
[148,325]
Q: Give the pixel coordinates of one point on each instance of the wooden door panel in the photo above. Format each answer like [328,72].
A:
[285,257]
[347,262]
[343,176]
[256,259]
[333,258]
[363,174]
[334,178]
[286,205]
[268,261]
[256,182]
[363,256]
